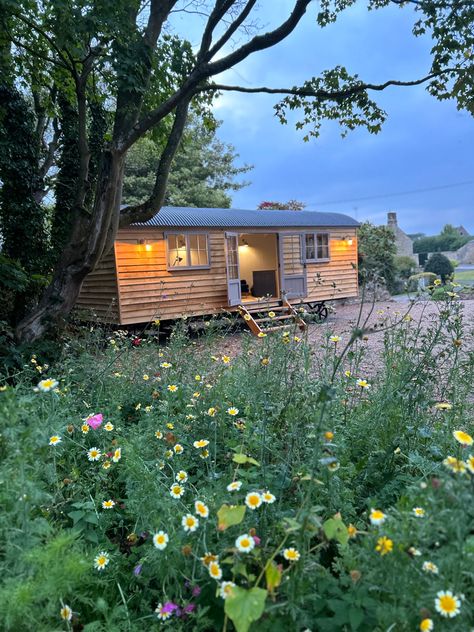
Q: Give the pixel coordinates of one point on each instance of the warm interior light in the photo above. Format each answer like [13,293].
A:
[348,241]
[244,243]
[148,247]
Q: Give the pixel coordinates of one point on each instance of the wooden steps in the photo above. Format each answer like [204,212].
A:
[256,317]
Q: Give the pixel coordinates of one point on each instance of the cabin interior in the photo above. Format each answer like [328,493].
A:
[258,259]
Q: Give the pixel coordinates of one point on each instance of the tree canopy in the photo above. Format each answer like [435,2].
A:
[88,80]
[203,172]
[448,239]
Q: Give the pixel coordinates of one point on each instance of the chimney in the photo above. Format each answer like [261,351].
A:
[392,219]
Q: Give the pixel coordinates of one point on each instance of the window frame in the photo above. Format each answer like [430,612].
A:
[315,235]
[187,234]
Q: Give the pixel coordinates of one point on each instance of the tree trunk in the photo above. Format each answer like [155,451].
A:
[91,236]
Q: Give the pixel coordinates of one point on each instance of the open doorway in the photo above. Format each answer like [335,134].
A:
[258,257]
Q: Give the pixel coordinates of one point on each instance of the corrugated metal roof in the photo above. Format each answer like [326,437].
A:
[184,217]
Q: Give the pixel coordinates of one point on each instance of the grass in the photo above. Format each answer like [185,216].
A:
[465,277]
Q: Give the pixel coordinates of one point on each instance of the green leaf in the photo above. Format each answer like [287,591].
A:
[335,529]
[290,525]
[272,576]
[230,515]
[243,607]
[243,458]
[76,515]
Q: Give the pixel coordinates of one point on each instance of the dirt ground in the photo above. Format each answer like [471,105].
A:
[342,321]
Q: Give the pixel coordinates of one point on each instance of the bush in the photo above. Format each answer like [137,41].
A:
[354,494]
[423,280]
[376,254]
[440,265]
[404,266]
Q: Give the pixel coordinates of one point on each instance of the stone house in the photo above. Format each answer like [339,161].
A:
[403,243]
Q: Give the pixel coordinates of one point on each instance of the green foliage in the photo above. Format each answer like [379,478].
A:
[292,205]
[426,279]
[404,266]
[328,449]
[376,252]
[202,175]
[440,265]
[448,239]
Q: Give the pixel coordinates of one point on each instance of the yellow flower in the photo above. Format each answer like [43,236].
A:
[55,440]
[271,314]
[226,589]
[178,449]
[377,517]
[172,388]
[291,554]
[176,490]
[201,509]
[268,497]
[352,531]
[443,406]
[166,365]
[470,463]
[429,567]
[208,558]
[247,317]
[65,613]
[232,411]
[335,339]
[261,334]
[363,383]
[253,500]
[159,434]
[437,282]
[329,436]
[106,465]
[160,540]
[108,504]
[47,385]
[245,543]
[426,625]
[93,454]
[101,560]
[384,545]
[215,570]
[447,604]
[201,443]
[170,426]
[234,486]
[181,476]
[117,455]
[211,411]
[156,321]
[198,378]
[463,438]
[226,359]
[419,512]
[108,427]
[146,377]
[347,373]
[189,523]
[455,465]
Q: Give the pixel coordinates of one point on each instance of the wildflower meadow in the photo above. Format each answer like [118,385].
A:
[159,482]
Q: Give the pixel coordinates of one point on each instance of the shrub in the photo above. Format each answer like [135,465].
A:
[439,265]
[376,251]
[404,266]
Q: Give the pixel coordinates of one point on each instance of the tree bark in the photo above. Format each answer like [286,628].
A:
[89,240]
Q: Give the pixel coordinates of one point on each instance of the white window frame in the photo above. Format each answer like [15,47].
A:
[315,236]
[187,234]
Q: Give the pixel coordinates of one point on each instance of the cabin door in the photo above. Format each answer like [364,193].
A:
[233,272]
[293,278]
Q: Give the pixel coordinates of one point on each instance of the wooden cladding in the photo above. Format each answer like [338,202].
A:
[134,284]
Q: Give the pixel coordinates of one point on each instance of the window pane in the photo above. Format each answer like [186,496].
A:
[177,255]
[323,246]
[198,250]
[310,252]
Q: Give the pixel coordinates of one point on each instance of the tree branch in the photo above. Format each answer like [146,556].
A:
[220,9]
[236,24]
[146,210]
[325,94]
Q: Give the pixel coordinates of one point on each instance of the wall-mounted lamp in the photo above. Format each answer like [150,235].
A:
[244,243]
[348,240]
[144,242]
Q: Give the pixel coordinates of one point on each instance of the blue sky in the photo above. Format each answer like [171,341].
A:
[424,143]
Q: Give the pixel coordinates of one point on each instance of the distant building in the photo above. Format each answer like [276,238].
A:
[461,231]
[403,243]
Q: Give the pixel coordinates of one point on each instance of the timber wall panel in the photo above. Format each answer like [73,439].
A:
[99,293]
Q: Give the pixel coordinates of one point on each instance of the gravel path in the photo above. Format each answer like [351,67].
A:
[342,321]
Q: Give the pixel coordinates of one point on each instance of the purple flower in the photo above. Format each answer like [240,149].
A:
[169,606]
[94,421]
[196,591]
[191,607]
[138,569]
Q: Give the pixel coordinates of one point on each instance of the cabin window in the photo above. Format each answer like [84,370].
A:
[316,247]
[188,250]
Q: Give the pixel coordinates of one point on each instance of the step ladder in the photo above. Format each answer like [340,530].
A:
[259,321]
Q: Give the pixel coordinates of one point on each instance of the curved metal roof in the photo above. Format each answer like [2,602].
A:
[186,217]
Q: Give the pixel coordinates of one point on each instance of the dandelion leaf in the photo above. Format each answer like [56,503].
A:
[243,607]
[243,459]
[230,515]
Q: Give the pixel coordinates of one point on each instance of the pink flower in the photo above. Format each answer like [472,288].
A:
[95,421]
[136,342]
[256,539]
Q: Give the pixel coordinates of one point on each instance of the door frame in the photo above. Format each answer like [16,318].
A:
[234,289]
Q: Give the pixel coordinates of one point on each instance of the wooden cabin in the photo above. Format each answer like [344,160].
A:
[196,261]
